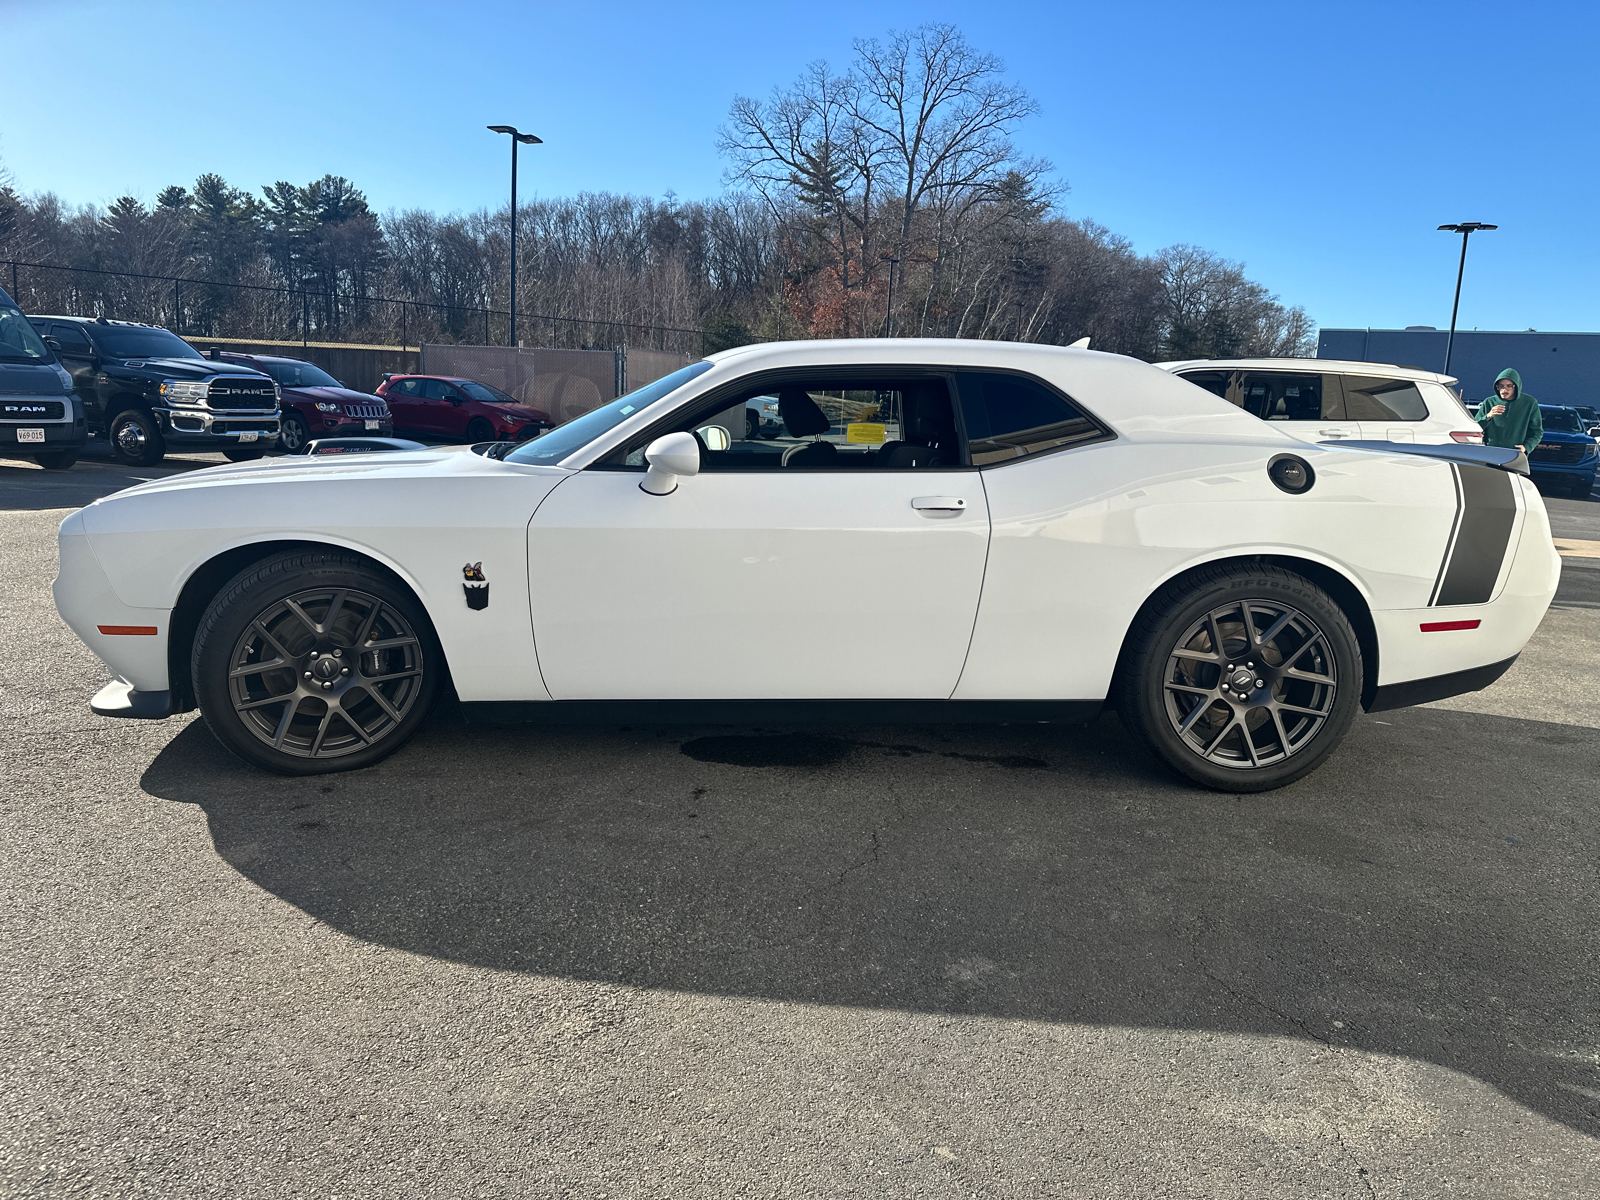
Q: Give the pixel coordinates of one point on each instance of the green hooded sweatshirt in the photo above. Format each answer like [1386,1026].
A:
[1519,425]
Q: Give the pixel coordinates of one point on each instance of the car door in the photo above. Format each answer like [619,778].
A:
[1307,404]
[77,356]
[455,410]
[777,572]
[405,403]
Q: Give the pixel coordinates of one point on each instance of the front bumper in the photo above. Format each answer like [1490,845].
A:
[118,699]
[58,435]
[202,427]
[328,425]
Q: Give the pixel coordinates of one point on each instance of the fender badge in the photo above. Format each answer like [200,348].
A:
[475,585]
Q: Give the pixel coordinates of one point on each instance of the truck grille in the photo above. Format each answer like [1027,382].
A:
[366,411]
[32,410]
[1559,452]
[243,394]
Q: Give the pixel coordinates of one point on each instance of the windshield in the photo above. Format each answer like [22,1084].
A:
[484,394]
[20,341]
[580,431]
[142,341]
[299,375]
[1562,420]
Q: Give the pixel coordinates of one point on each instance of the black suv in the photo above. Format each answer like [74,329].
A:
[147,391]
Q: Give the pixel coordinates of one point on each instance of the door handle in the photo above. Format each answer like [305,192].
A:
[1332,433]
[938,504]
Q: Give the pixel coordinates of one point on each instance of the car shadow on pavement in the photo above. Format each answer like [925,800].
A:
[1422,895]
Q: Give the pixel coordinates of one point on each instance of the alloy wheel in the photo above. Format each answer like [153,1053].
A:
[325,672]
[1250,684]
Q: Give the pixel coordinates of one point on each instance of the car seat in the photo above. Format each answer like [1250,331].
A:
[803,418]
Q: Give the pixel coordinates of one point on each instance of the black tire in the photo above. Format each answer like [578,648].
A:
[235,454]
[56,460]
[752,426]
[135,439]
[479,430]
[344,601]
[1204,715]
[294,435]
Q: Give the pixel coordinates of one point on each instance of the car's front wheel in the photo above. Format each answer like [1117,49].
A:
[56,460]
[294,435]
[479,430]
[1242,678]
[315,661]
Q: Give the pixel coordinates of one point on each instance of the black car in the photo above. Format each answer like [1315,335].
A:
[146,391]
[40,418]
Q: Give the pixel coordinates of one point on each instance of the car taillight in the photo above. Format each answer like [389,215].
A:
[1467,435]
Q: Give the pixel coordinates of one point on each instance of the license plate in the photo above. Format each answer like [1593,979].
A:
[372,424]
[249,437]
[30,435]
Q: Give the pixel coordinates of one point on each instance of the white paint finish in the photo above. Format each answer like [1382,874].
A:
[1076,550]
[86,600]
[424,515]
[759,585]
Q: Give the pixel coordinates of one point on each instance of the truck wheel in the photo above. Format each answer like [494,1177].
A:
[479,430]
[752,426]
[135,439]
[56,460]
[315,661]
[1242,678]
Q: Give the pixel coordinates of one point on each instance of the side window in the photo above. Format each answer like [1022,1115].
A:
[72,339]
[825,422]
[433,389]
[1215,382]
[1012,416]
[406,387]
[1290,396]
[1372,399]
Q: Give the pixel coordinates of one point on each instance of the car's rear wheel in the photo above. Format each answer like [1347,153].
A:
[479,430]
[294,435]
[135,439]
[236,454]
[1242,678]
[313,662]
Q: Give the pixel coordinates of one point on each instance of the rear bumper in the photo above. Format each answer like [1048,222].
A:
[1436,687]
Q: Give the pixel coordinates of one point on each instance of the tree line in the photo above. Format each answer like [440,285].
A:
[883,199]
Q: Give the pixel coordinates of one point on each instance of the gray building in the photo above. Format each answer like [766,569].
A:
[1558,368]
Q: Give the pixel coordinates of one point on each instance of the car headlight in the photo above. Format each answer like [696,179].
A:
[324,406]
[185,391]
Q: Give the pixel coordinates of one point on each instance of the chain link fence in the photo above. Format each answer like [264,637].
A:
[563,383]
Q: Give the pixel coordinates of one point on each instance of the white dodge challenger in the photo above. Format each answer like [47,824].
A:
[944,530]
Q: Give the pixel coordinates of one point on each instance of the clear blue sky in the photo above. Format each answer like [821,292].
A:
[1320,144]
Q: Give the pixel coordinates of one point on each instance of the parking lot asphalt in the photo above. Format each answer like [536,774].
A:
[1005,961]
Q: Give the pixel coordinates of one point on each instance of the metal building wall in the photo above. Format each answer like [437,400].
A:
[1558,368]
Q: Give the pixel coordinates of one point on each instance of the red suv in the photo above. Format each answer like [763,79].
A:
[315,404]
[444,406]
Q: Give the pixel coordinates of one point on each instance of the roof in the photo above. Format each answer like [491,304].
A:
[1336,365]
[93,321]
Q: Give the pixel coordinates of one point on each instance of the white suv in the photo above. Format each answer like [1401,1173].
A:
[1325,400]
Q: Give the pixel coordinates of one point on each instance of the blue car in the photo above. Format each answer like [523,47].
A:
[1566,458]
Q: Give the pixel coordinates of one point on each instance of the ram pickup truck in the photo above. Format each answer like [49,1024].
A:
[147,391]
[40,418]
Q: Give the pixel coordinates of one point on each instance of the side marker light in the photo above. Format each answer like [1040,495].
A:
[127,630]
[1447,626]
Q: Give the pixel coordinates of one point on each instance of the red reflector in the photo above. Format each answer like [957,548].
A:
[1467,435]
[127,630]
[1447,626]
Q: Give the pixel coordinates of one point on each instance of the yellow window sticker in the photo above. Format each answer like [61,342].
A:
[864,433]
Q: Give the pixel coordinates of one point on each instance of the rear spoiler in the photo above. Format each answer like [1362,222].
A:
[1500,457]
[360,445]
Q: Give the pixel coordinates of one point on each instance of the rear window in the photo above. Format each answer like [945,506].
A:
[1373,399]
[1012,416]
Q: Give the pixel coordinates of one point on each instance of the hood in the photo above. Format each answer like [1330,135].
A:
[342,394]
[1511,374]
[192,368]
[33,379]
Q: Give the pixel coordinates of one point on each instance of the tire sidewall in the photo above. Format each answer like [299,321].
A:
[1148,704]
[477,427]
[155,448]
[257,588]
[293,420]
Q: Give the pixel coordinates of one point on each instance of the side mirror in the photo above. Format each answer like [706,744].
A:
[670,456]
[53,342]
[715,437]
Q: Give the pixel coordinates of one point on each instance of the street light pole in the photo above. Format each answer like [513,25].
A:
[526,139]
[888,308]
[1466,229]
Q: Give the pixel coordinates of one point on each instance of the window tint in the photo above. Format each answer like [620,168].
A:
[298,374]
[1290,396]
[827,422]
[485,394]
[1561,420]
[142,341]
[72,339]
[564,440]
[435,389]
[1215,382]
[406,387]
[1369,399]
[1011,416]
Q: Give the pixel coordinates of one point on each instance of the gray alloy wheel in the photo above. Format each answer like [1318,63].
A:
[294,435]
[1243,677]
[135,440]
[315,662]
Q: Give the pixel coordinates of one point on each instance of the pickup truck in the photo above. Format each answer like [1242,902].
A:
[148,391]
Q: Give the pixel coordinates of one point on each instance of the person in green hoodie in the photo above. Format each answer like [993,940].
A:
[1510,417]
